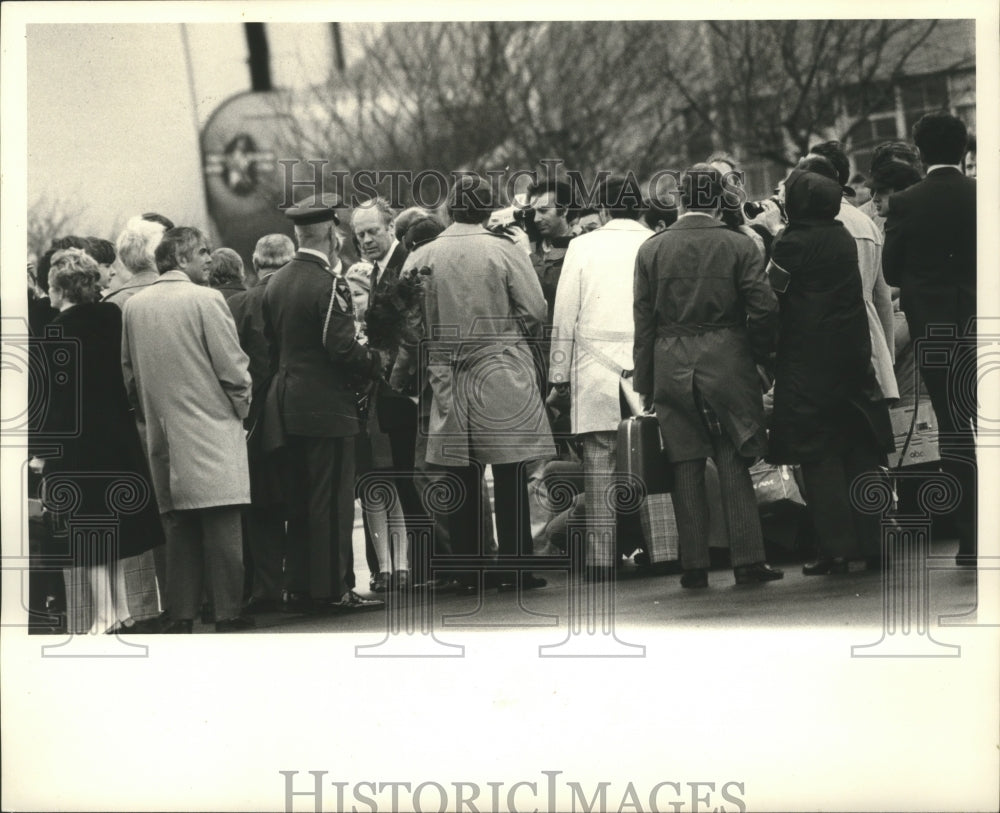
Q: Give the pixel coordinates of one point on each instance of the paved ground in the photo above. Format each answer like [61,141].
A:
[645,598]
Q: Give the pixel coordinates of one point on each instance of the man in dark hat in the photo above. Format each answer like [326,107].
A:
[318,366]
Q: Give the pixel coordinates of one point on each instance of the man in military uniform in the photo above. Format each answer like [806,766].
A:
[319,366]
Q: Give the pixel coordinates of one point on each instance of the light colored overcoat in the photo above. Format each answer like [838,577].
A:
[187,378]
[592,323]
[484,312]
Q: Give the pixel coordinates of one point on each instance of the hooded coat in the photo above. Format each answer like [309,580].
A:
[823,374]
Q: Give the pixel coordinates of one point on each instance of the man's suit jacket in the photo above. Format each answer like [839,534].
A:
[247,307]
[930,250]
[317,361]
[393,410]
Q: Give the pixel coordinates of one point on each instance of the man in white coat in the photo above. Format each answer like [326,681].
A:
[188,381]
[591,346]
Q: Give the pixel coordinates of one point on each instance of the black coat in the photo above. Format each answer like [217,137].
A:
[107,447]
[930,250]
[823,372]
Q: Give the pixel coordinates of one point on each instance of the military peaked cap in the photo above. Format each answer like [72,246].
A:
[315,209]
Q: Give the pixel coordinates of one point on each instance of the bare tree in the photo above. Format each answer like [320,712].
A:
[50,218]
[599,95]
[774,86]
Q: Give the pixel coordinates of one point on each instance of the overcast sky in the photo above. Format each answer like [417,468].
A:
[113,120]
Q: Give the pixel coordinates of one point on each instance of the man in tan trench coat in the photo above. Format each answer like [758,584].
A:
[483,311]
[187,379]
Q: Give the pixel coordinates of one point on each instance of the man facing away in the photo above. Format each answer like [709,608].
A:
[187,379]
[319,366]
[591,345]
[265,520]
[930,255]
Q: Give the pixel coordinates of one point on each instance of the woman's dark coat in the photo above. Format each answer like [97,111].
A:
[824,379]
[103,461]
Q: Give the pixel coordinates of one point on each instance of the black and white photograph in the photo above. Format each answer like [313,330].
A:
[475,407]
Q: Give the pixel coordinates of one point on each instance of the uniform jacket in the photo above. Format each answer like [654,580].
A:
[187,379]
[592,325]
[107,441]
[482,309]
[823,368]
[930,250]
[317,362]
[878,299]
[704,313]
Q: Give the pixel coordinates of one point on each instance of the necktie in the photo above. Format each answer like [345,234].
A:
[374,280]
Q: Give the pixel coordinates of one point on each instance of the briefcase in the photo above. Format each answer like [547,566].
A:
[640,453]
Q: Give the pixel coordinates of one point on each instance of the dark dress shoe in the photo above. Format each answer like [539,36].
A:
[825,567]
[255,606]
[380,582]
[148,626]
[759,572]
[694,579]
[238,624]
[460,589]
[182,626]
[401,580]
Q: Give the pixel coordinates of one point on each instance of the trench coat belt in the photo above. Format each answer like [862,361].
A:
[674,330]
[586,341]
[472,352]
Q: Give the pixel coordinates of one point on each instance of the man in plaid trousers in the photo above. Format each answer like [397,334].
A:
[591,346]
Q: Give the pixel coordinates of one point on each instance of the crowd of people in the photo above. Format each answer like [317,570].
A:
[250,408]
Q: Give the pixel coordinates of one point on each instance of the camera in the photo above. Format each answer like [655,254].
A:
[754,208]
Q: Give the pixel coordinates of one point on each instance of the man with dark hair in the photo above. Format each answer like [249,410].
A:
[187,380]
[103,252]
[878,297]
[659,202]
[704,315]
[591,345]
[319,366]
[930,254]
[886,152]
[483,309]
[550,202]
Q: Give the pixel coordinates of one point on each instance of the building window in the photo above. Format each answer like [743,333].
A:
[923,94]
